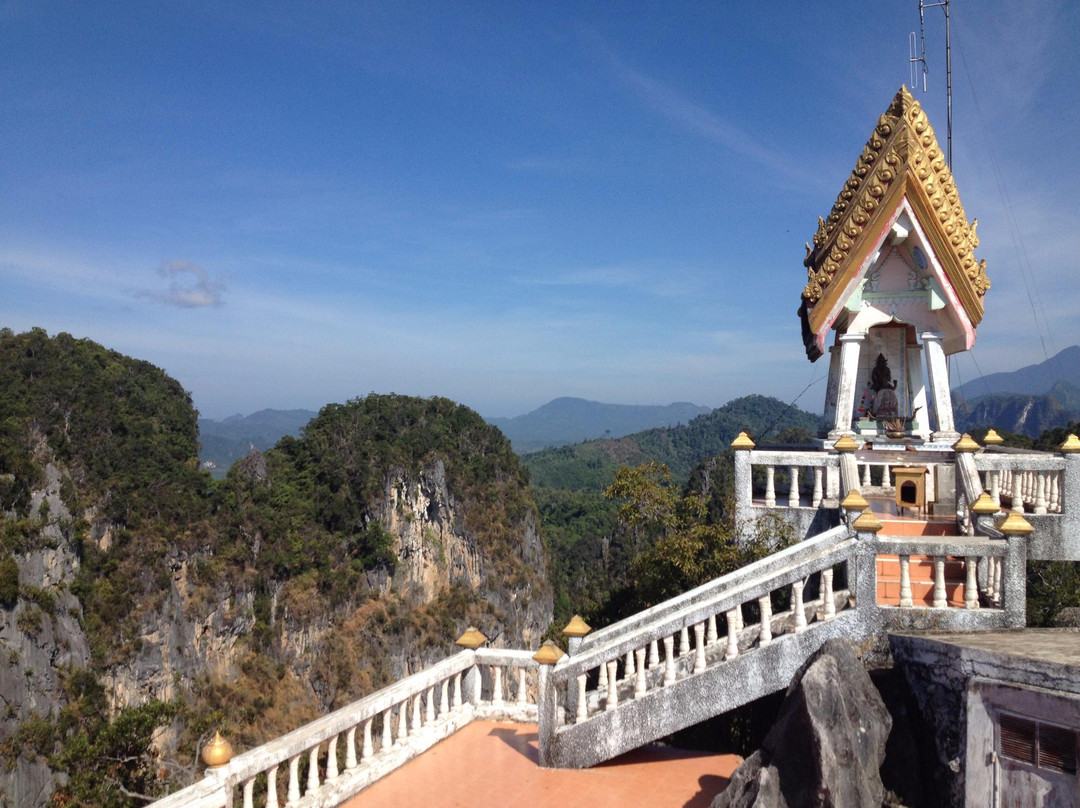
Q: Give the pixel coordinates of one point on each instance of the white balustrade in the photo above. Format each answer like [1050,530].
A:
[669,660]
[699,647]
[905,581]
[940,601]
[793,493]
[828,610]
[797,606]
[765,607]
[971,583]
[732,649]
[770,486]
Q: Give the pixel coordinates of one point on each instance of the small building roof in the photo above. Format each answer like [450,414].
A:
[901,161]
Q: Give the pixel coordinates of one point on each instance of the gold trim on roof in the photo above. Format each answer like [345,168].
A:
[901,156]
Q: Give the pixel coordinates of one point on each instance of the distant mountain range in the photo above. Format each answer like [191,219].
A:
[223,442]
[572,420]
[1026,401]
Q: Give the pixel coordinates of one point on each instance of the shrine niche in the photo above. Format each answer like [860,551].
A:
[892,275]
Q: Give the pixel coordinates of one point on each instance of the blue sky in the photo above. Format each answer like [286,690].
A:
[288,204]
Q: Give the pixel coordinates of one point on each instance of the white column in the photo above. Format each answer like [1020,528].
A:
[918,391]
[850,346]
[834,384]
[905,581]
[940,601]
[765,607]
[937,370]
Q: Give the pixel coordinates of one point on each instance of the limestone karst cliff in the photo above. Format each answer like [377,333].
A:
[314,573]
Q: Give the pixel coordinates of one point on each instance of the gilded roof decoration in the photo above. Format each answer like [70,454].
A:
[902,157]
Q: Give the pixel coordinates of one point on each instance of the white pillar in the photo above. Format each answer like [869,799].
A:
[833,386]
[937,370]
[850,347]
[918,392]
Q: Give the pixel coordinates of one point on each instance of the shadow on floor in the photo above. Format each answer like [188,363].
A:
[524,743]
[709,786]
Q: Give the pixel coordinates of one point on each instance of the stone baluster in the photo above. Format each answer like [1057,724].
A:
[249,793]
[940,601]
[738,618]
[628,666]
[711,634]
[640,684]
[886,478]
[765,607]
[866,476]
[496,685]
[797,606]
[684,641]
[429,705]
[819,496]
[444,697]
[294,781]
[828,606]
[331,759]
[1029,486]
[312,771]
[271,788]
[699,647]
[601,680]
[613,685]
[905,582]
[669,661]
[582,705]
[522,692]
[350,748]
[793,492]
[403,722]
[1054,492]
[770,486]
[654,654]
[387,720]
[1040,492]
[995,486]
[732,649]
[1017,494]
[991,574]
[971,583]
[416,712]
[368,749]
[457,690]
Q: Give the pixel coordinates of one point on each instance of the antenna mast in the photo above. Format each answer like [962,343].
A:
[919,57]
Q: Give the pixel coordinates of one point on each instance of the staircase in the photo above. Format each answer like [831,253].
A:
[726,644]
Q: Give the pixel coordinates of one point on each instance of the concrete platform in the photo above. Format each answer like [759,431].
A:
[494,765]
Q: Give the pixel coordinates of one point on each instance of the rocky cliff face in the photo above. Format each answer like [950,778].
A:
[317,573]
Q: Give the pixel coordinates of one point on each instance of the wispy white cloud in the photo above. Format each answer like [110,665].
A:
[698,120]
[190,287]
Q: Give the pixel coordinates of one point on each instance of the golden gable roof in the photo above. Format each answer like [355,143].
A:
[901,159]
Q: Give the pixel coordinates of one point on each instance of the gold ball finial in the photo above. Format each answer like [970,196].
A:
[845,444]
[576,627]
[966,444]
[1070,446]
[867,523]
[471,639]
[217,752]
[992,438]
[549,653]
[985,505]
[743,442]
[1015,525]
[854,501]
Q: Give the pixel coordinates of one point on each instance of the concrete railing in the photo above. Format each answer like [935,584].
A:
[1019,480]
[334,757]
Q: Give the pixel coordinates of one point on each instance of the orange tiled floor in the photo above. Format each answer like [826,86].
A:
[493,765]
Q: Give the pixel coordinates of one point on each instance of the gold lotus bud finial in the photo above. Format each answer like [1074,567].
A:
[576,627]
[993,438]
[1015,525]
[742,442]
[985,505]
[549,653]
[867,523]
[845,444]
[471,639]
[217,752]
[966,444]
[1071,445]
[854,501]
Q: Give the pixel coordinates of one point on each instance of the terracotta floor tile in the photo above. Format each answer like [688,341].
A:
[493,765]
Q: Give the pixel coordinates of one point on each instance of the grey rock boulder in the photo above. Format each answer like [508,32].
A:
[827,745]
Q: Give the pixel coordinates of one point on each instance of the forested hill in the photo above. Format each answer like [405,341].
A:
[570,420]
[591,465]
